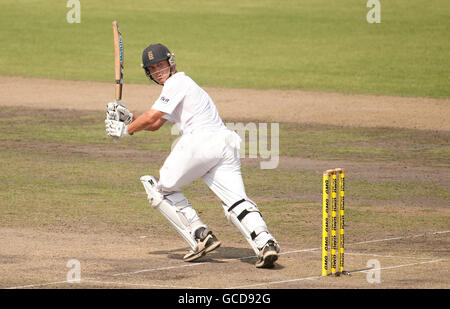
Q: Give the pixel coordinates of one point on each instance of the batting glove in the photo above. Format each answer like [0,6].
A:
[117,111]
[116,129]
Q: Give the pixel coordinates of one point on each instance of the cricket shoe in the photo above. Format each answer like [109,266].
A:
[206,242]
[268,255]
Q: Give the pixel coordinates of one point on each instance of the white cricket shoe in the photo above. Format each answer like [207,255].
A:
[206,244]
[268,255]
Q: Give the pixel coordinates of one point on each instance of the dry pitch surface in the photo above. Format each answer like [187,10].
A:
[417,259]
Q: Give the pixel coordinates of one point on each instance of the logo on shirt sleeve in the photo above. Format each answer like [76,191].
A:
[164,99]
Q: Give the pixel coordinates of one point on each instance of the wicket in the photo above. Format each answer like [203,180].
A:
[331,202]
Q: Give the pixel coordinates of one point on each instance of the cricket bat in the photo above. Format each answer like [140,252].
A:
[118,62]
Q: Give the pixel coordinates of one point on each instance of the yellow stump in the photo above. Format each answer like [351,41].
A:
[341,221]
[325,209]
[334,223]
[333,206]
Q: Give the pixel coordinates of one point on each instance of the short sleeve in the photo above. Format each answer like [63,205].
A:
[172,94]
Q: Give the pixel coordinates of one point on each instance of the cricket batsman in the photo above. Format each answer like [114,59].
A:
[207,149]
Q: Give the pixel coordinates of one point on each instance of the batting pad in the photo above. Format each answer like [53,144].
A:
[247,218]
[176,208]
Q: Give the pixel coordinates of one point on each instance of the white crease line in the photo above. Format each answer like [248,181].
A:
[36,285]
[275,282]
[400,237]
[181,266]
[282,253]
[351,272]
[98,282]
[399,266]
[389,256]
[138,284]
[156,269]
[372,241]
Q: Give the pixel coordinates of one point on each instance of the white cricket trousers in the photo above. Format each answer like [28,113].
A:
[214,157]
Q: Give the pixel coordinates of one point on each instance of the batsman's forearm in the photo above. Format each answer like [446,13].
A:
[143,122]
[156,125]
[139,124]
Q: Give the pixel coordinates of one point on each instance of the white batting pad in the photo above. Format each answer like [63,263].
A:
[247,218]
[175,208]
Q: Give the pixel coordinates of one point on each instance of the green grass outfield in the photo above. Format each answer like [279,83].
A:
[285,44]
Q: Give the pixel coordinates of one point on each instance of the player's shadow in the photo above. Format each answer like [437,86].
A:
[221,255]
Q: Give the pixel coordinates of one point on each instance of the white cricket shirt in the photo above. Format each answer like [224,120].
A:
[188,105]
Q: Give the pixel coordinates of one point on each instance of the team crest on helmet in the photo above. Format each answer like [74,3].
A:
[150,55]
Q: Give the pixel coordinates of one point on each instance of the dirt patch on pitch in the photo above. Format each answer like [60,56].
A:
[43,259]
[102,152]
[263,105]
